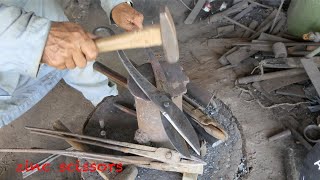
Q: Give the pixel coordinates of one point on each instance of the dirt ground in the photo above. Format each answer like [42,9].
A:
[265,159]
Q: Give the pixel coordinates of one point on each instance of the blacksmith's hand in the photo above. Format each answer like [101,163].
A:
[68,46]
[126,17]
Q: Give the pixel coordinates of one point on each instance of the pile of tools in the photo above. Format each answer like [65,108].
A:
[281,64]
[278,71]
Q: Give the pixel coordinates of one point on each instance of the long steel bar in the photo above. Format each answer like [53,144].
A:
[109,141]
[85,155]
[148,154]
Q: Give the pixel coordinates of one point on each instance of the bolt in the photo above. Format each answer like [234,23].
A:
[166,104]
[103,133]
[168,155]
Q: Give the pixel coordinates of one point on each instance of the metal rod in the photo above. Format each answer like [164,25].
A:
[49,159]
[142,153]
[114,76]
[84,155]
[90,142]
[123,144]
[239,24]
[280,135]
[125,109]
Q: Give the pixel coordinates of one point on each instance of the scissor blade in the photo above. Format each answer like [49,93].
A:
[173,114]
[175,138]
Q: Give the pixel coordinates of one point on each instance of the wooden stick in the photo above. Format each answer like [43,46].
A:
[195,11]
[276,18]
[258,4]
[255,78]
[85,155]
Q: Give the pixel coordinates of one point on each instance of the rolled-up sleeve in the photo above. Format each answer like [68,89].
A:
[108,5]
[23,36]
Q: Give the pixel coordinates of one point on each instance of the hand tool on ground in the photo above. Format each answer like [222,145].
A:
[286,63]
[168,109]
[312,133]
[155,35]
[59,126]
[148,157]
[125,109]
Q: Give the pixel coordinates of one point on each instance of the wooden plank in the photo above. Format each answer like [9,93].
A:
[223,60]
[263,29]
[253,25]
[240,55]
[313,72]
[271,75]
[210,125]
[234,9]
[225,42]
[272,38]
[285,63]
[195,11]
[277,83]
[294,90]
[189,176]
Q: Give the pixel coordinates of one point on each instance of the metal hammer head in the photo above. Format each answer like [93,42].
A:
[169,36]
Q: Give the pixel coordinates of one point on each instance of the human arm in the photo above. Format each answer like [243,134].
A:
[23,36]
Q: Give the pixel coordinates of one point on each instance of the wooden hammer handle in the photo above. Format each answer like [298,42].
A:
[147,37]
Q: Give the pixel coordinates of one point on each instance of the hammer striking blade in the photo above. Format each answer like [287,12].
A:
[150,36]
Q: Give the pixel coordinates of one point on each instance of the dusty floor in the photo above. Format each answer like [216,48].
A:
[266,160]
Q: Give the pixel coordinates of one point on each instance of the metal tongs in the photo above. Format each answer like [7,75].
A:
[146,156]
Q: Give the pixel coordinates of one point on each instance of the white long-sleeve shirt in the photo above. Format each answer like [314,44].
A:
[24,27]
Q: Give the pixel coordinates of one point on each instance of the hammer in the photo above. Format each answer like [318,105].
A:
[154,35]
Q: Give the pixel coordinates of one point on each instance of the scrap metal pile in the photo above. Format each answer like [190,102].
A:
[275,63]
